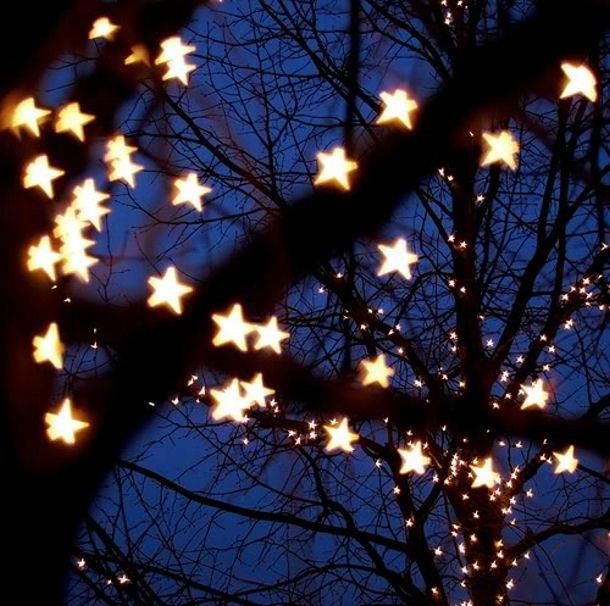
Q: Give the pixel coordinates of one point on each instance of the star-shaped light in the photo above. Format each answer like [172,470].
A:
[62,425]
[484,475]
[76,260]
[335,167]
[413,459]
[38,173]
[87,203]
[48,347]
[27,115]
[255,391]
[232,328]
[124,169]
[566,461]
[189,190]
[103,28]
[42,256]
[117,148]
[139,54]
[168,290]
[581,81]
[229,403]
[70,119]
[501,147]
[172,55]
[375,370]
[340,437]
[398,106]
[397,258]
[269,335]
[536,395]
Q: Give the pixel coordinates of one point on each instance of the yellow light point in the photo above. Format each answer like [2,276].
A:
[536,395]
[87,203]
[117,148]
[139,54]
[70,119]
[566,461]
[340,437]
[232,328]
[484,475]
[255,391]
[397,258]
[38,173]
[48,347]
[335,167]
[398,107]
[375,370]
[69,228]
[502,147]
[189,190]
[123,169]
[42,256]
[168,290]
[269,335]
[27,115]
[229,403]
[172,55]
[103,28]
[62,425]
[581,81]
[413,459]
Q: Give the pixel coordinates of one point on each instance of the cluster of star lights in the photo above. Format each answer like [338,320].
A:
[64,251]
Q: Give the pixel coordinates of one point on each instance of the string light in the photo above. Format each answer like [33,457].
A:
[38,173]
[335,168]
[49,348]
[190,191]
[62,425]
[581,81]
[70,119]
[501,148]
[398,108]
[168,290]
[375,370]
[397,258]
[27,115]
[340,437]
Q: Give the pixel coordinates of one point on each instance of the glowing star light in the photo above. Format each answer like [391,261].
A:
[103,28]
[69,228]
[398,106]
[38,173]
[168,291]
[87,203]
[123,169]
[62,425]
[255,391]
[375,370]
[48,347]
[269,335]
[484,475]
[581,81]
[340,437]
[139,54]
[413,459]
[536,395]
[229,403]
[117,149]
[232,328]
[70,119]
[172,55]
[501,148]
[189,190]
[42,256]
[397,258]
[335,167]
[27,115]
[566,461]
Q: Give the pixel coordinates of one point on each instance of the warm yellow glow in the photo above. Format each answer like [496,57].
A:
[42,256]
[270,335]
[124,169]
[536,395]
[27,115]
[232,328]
[375,370]
[566,461]
[70,119]
[103,28]
[168,290]
[255,391]
[189,190]
[398,106]
[501,147]
[38,173]
[117,148]
[413,459]
[62,425]
[172,55]
[335,167]
[69,228]
[397,258]
[87,203]
[139,54]
[229,403]
[581,81]
[340,437]
[48,347]
[484,475]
